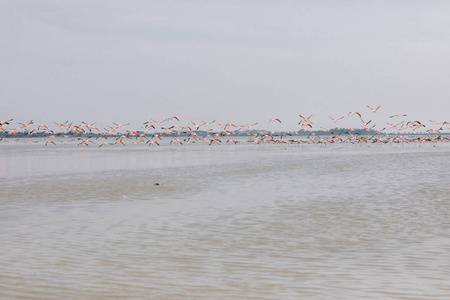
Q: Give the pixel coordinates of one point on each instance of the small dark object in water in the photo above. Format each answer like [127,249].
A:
[156,183]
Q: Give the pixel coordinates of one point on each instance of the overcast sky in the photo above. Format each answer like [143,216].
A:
[240,61]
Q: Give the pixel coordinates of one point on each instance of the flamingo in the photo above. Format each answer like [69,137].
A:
[306,119]
[352,113]
[5,122]
[121,125]
[273,120]
[105,143]
[151,142]
[84,142]
[90,126]
[25,125]
[374,110]
[397,115]
[336,120]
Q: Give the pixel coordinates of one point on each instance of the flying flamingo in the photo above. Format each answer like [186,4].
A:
[273,120]
[352,113]
[3,123]
[25,125]
[306,119]
[151,142]
[335,120]
[121,125]
[398,115]
[374,110]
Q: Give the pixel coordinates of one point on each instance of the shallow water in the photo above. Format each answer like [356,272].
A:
[232,221]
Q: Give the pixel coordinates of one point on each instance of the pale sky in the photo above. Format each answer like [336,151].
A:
[240,61]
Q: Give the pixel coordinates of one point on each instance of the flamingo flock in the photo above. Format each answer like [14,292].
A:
[152,132]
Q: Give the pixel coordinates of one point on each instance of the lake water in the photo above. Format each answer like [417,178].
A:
[225,222]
